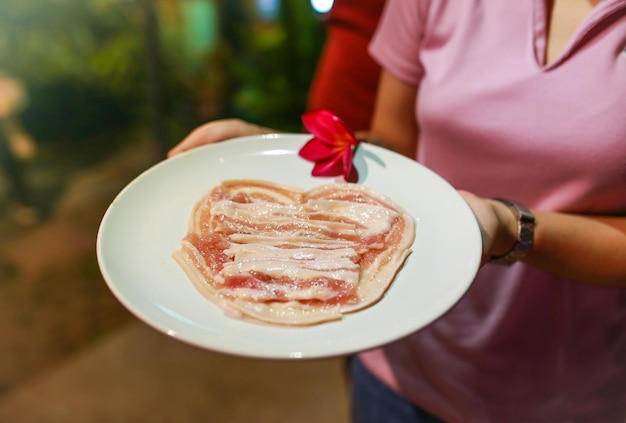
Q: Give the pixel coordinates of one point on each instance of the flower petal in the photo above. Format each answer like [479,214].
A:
[315,150]
[332,147]
[331,167]
[328,128]
[350,173]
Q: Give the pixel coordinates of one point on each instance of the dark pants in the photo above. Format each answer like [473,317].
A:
[374,402]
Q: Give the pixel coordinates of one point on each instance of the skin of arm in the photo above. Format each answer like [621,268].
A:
[393,121]
[585,248]
[589,249]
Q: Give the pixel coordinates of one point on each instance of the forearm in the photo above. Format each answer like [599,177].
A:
[583,248]
[393,123]
[587,249]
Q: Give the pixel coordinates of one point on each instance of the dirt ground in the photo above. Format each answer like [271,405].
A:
[53,300]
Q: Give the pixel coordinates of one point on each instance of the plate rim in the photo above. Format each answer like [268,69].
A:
[186,338]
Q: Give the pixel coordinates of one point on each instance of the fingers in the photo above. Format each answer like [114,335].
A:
[216,131]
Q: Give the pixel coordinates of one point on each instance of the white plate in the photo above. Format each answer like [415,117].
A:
[147,220]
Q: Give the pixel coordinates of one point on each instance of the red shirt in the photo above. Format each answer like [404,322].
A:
[347,76]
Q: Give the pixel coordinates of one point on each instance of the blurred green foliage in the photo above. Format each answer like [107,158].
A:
[275,65]
[43,40]
[79,63]
[87,64]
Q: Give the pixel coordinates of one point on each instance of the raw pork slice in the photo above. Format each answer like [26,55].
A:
[281,255]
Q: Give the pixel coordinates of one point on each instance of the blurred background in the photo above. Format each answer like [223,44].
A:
[87,77]
[93,92]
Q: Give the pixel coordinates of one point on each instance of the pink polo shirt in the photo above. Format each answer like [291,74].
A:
[522,345]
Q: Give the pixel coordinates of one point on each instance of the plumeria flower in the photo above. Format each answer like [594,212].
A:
[332,147]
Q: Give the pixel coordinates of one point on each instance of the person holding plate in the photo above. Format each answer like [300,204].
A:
[520,107]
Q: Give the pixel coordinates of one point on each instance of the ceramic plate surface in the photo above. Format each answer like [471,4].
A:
[148,219]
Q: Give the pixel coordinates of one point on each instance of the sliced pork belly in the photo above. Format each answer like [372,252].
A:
[281,255]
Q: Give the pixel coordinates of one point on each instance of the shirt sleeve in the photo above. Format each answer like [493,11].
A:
[398,38]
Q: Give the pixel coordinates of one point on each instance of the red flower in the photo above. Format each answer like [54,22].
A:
[332,146]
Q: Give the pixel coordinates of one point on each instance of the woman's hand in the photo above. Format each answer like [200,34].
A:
[498,226]
[216,131]
[585,248]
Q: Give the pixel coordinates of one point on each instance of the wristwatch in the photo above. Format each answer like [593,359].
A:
[526,223]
